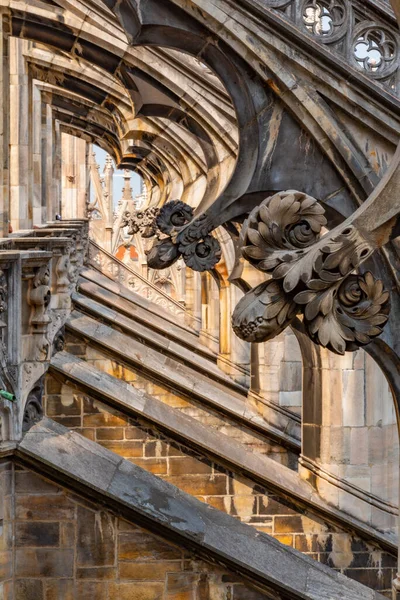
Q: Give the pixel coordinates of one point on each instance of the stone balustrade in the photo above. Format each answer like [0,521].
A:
[361,33]
[110,266]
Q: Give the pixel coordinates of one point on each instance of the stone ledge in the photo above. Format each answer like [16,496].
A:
[97,286]
[214,536]
[95,276]
[174,375]
[231,453]
[158,341]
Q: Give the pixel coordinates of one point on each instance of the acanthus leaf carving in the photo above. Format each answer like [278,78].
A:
[180,234]
[264,312]
[278,230]
[341,310]
[173,216]
[346,316]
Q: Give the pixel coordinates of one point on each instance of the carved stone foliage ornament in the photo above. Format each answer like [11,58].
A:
[34,406]
[180,235]
[3,292]
[142,221]
[341,310]
[7,374]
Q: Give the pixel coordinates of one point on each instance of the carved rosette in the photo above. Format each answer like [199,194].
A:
[348,315]
[310,275]
[173,216]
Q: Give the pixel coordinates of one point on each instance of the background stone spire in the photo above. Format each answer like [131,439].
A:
[127,189]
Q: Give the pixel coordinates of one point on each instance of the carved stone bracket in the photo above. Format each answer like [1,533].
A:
[63,270]
[310,276]
[59,341]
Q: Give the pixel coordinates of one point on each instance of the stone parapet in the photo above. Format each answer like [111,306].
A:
[38,272]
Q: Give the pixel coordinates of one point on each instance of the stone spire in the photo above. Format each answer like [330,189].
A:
[127,189]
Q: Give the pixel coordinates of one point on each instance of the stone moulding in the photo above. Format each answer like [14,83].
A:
[315,470]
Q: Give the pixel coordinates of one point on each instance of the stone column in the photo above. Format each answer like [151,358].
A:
[74,177]
[47,132]
[36,171]
[42,151]
[57,168]
[350,447]
[224,321]
[193,295]
[240,351]
[4,125]
[209,334]
[109,197]
[20,157]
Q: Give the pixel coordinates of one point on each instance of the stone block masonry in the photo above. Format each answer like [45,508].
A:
[145,446]
[67,548]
